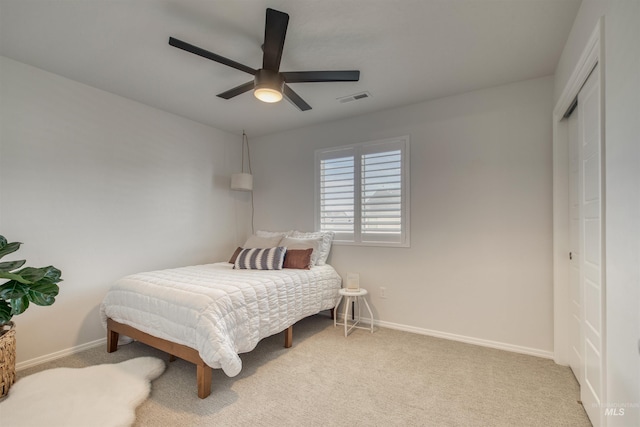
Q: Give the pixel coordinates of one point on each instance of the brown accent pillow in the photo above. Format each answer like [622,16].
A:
[298,258]
[232,260]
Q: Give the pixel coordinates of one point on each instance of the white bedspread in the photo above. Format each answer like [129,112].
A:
[219,311]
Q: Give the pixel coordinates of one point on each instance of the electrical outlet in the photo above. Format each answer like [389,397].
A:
[383,292]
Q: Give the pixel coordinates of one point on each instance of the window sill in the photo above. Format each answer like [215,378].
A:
[373,244]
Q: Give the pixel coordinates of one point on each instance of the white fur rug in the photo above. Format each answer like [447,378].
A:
[101,395]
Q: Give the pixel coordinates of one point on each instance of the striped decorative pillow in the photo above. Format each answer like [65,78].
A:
[260,259]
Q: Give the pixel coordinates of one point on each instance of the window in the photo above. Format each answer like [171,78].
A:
[362,192]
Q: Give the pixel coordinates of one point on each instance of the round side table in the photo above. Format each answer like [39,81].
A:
[349,297]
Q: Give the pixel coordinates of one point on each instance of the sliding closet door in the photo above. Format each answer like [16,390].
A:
[591,232]
[575,290]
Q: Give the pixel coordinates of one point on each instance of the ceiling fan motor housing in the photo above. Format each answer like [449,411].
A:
[269,79]
[268,85]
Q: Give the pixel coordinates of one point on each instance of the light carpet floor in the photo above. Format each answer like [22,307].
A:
[388,378]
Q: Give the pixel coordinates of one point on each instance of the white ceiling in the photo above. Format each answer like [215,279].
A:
[408,51]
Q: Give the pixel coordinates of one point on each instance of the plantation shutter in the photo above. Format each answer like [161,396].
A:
[381,196]
[337,195]
[362,192]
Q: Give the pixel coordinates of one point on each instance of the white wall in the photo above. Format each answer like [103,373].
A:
[622,141]
[479,266]
[622,193]
[588,14]
[101,186]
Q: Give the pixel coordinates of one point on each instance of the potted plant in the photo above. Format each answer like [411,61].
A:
[22,286]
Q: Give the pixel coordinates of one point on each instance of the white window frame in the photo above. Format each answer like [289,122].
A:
[357,150]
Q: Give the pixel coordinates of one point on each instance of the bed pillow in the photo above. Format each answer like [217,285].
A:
[262,242]
[232,260]
[264,233]
[293,243]
[298,258]
[260,258]
[325,245]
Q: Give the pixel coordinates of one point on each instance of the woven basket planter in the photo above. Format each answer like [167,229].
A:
[7,358]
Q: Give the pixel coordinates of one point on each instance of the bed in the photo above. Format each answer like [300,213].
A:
[209,314]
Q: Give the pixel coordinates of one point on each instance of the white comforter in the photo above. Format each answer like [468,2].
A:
[219,311]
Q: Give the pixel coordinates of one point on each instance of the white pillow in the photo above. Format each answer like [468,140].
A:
[325,245]
[262,242]
[264,233]
[293,243]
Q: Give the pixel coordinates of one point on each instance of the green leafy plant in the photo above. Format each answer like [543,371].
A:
[24,286]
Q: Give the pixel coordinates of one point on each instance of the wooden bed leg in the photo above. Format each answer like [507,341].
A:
[204,373]
[172,358]
[288,337]
[112,341]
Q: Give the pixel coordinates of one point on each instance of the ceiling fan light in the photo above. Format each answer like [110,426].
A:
[268,86]
[266,94]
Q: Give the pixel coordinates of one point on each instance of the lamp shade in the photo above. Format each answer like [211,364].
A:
[242,181]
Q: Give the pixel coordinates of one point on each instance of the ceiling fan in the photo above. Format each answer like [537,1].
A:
[269,83]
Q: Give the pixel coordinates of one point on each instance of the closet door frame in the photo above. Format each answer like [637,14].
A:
[592,55]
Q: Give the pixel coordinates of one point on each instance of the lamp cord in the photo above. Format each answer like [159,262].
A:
[245,140]
[253,231]
[244,135]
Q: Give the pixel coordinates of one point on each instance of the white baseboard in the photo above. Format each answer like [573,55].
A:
[397,326]
[461,338]
[58,354]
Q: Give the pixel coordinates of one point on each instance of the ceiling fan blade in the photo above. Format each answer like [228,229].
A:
[238,90]
[210,55]
[321,76]
[295,99]
[275,30]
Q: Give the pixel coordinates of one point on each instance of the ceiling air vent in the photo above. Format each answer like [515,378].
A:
[355,97]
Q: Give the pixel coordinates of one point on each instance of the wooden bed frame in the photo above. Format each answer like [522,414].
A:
[203,371]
